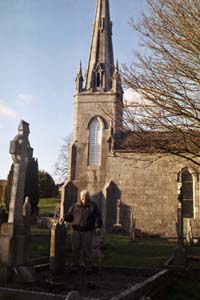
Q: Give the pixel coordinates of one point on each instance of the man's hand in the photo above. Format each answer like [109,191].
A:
[98,231]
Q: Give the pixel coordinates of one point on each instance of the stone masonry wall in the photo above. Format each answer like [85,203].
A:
[148,186]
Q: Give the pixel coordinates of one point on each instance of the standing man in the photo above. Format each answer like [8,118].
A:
[85,217]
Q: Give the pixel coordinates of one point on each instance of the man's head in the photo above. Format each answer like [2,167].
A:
[84,196]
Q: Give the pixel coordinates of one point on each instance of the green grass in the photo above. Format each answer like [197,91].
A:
[117,250]
[40,231]
[184,289]
[146,254]
[47,205]
[40,245]
[193,250]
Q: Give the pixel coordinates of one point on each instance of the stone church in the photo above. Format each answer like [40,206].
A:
[129,185]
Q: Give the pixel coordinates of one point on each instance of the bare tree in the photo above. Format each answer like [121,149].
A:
[167,78]
[61,165]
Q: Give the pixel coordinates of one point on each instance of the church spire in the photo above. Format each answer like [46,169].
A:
[79,79]
[101,63]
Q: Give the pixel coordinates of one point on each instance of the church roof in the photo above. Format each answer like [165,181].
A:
[158,141]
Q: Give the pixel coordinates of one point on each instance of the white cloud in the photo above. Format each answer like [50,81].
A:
[25,99]
[133,98]
[6,110]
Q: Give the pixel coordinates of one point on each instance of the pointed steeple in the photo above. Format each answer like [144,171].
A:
[116,83]
[23,128]
[101,63]
[79,79]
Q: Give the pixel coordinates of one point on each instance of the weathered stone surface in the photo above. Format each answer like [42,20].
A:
[180,257]
[57,248]
[3,184]
[25,274]
[15,235]
[69,197]
[21,153]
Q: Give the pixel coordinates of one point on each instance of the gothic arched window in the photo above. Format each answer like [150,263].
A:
[95,142]
[187,194]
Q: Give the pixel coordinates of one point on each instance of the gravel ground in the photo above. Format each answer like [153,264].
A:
[103,283]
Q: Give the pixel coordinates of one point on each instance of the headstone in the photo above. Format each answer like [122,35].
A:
[68,197]
[180,256]
[25,274]
[57,248]
[21,153]
[180,251]
[15,234]
[189,233]
[132,227]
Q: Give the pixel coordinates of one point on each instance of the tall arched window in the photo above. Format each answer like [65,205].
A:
[187,193]
[95,142]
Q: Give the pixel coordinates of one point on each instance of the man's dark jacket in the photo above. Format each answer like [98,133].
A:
[84,217]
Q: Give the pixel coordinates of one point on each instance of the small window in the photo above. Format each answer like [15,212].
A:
[187,194]
[98,80]
[95,142]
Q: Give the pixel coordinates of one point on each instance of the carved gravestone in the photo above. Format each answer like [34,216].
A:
[57,248]
[68,197]
[132,226]
[15,234]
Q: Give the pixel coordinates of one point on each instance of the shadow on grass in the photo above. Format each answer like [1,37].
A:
[117,251]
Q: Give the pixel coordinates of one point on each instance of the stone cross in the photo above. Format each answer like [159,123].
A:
[21,153]
[118,203]
[15,237]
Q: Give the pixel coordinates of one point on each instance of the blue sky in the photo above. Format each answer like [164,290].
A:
[41,45]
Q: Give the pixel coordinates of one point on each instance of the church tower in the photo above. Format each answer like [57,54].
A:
[97,108]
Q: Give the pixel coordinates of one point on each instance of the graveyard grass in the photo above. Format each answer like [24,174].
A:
[118,250]
[184,289]
[47,205]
